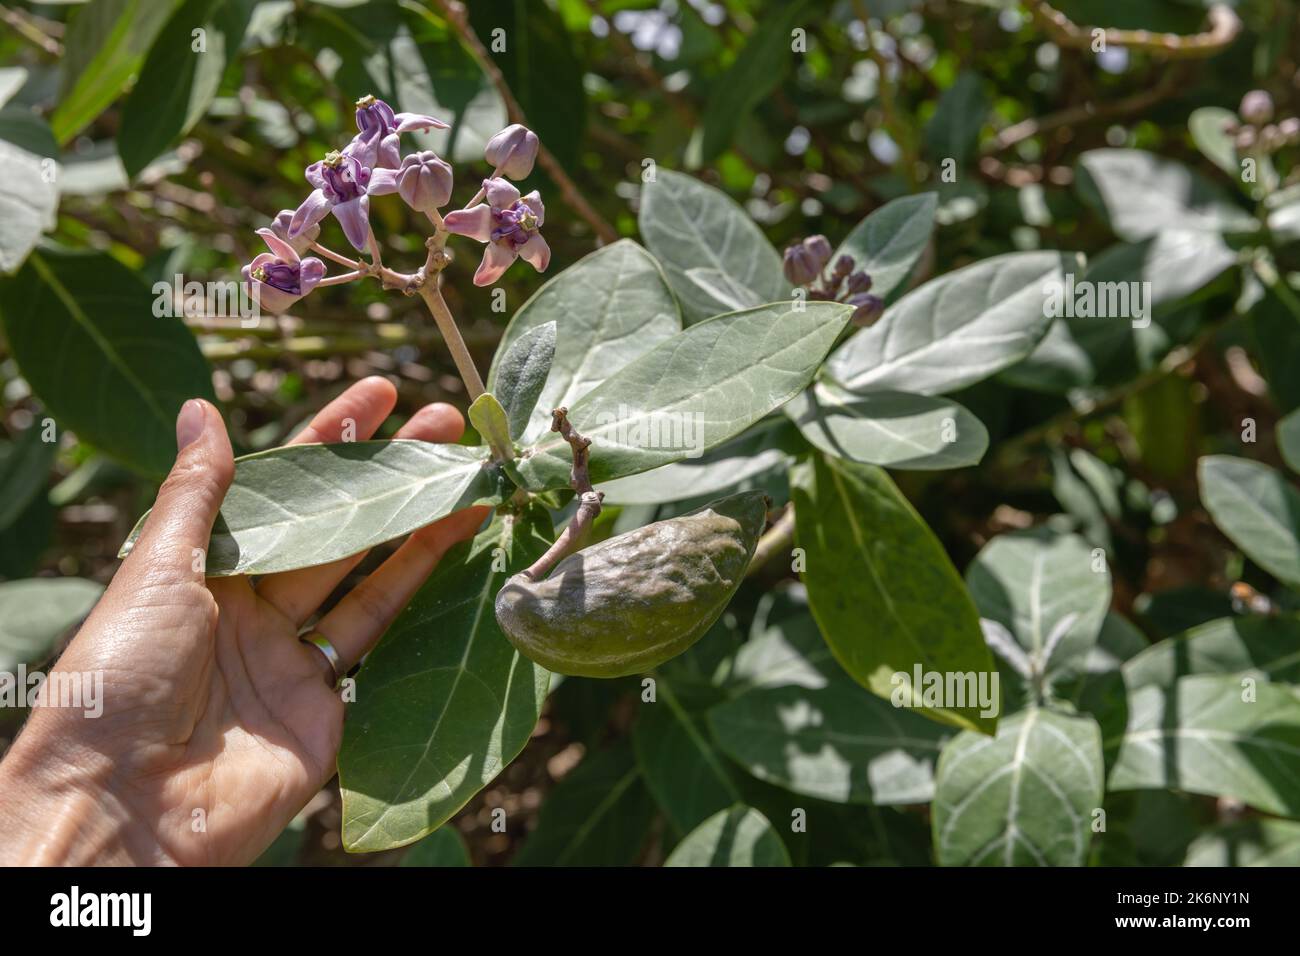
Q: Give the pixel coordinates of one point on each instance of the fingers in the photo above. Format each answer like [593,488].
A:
[175,536]
[357,622]
[297,594]
[356,414]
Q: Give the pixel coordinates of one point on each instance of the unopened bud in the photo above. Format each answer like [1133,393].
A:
[512,151]
[867,309]
[859,282]
[1245,138]
[843,266]
[301,242]
[1256,107]
[1289,129]
[424,181]
[799,265]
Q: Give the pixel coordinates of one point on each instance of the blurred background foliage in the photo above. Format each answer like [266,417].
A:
[166,164]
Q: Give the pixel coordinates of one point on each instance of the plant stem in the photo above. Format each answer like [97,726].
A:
[340,259]
[588,500]
[775,540]
[432,296]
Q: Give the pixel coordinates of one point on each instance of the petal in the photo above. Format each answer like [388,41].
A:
[382,182]
[500,194]
[475,222]
[284,251]
[354,217]
[536,252]
[315,174]
[270,298]
[497,258]
[390,152]
[409,122]
[313,270]
[534,202]
[312,211]
[364,146]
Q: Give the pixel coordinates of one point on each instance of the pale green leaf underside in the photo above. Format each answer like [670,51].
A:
[1024,798]
[610,307]
[1268,647]
[1030,582]
[692,392]
[28,201]
[954,330]
[883,591]
[36,612]
[739,836]
[711,250]
[1257,842]
[1258,509]
[799,722]
[888,242]
[1200,736]
[890,429]
[303,505]
[444,702]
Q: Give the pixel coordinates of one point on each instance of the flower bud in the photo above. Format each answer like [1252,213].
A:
[867,309]
[820,249]
[1256,107]
[512,151]
[799,265]
[1245,138]
[301,242]
[1289,129]
[843,266]
[424,181]
[859,282]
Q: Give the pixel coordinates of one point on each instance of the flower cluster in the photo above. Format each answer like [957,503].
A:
[372,165]
[804,264]
[1257,131]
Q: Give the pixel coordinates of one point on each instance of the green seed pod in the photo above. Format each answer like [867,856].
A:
[628,604]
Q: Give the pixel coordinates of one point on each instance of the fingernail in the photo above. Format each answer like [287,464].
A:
[189,423]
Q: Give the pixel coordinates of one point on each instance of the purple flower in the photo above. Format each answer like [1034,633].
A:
[279,278]
[378,143]
[344,185]
[424,181]
[513,151]
[509,225]
[300,243]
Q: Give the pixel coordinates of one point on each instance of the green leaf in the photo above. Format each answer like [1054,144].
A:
[1079,349]
[1259,842]
[489,420]
[1025,798]
[693,391]
[885,595]
[29,200]
[953,132]
[104,46]
[614,305]
[28,131]
[36,612]
[761,450]
[303,505]
[1265,647]
[524,367]
[1258,509]
[760,66]
[599,815]
[444,702]
[716,258]
[890,429]
[739,836]
[1201,736]
[888,242]
[12,79]
[1141,194]
[954,330]
[1044,587]
[1288,439]
[24,470]
[1209,128]
[442,847]
[686,775]
[798,721]
[82,329]
[177,83]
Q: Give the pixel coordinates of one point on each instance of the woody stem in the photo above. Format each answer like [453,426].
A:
[588,500]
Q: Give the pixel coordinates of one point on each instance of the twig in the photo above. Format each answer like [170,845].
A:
[774,541]
[1223,23]
[588,500]
[25,26]
[455,13]
[432,296]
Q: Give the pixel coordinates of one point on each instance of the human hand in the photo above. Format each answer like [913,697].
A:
[214,712]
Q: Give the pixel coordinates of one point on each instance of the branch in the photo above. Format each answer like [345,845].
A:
[588,500]
[775,540]
[456,15]
[1224,26]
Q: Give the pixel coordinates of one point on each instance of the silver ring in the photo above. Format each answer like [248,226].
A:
[319,641]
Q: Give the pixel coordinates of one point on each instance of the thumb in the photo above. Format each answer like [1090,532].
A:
[188,501]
